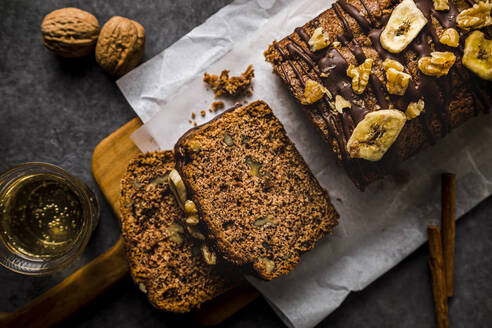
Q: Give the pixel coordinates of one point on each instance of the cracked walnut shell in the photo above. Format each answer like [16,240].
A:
[120,45]
[438,64]
[70,32]
[360,75]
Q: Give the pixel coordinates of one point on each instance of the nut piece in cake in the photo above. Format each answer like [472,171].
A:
[475,17]
[254,167]
[360,75]
[261,221]
[210,257]
[228,139]
[313,92]
[191,213]
[269,264]
[441,4]
[414,109]
[477,56]
[396,80]
[177,187]
[375,134]
[450,37]
[319,40]
[403,26]
[438,64]
[193,231]
[341,103]
[174,231]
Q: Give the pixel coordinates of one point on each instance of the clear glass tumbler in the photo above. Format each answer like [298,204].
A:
[46,218]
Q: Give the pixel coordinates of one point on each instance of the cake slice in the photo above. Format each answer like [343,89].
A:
[164,262]
[257,200]
[383,79]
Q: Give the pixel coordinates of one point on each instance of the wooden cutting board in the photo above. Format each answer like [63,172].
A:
[109,162]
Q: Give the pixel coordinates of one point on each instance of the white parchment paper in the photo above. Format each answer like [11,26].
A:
[379,227]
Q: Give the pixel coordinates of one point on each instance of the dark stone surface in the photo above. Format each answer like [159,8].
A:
[57,110]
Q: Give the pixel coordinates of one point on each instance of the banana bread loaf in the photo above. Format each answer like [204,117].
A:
[382,79]
[256,198]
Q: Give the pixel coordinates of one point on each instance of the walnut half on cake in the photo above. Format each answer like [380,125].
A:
[383,79]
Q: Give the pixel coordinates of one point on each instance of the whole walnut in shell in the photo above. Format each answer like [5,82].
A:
[70,32]
[120,45]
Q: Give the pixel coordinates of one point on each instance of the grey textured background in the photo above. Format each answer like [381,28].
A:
[57,110]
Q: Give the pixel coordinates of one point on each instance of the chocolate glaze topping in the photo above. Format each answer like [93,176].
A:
[329,66]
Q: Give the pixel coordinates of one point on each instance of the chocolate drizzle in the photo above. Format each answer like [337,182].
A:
[330,67]
[355,14]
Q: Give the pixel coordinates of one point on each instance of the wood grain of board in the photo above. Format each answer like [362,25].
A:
[109,161]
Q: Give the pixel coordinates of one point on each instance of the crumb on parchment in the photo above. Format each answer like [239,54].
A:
[216,105]
[203,113]
[230,86]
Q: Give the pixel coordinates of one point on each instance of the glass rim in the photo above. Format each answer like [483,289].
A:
[18,263]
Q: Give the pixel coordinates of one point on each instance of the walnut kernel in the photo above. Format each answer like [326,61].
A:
[438,64]
[450,37]
[313,92]
[228,139]
[390,63]
[396,80]
[441,4]
[174,231]
[254,167]
[319,40]
[259,222]
[341,103]
[475,17]
[414,109]
[209,257]
[360,75]
[193,231]
[269,264]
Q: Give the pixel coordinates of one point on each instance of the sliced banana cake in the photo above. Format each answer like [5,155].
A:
[164,261]
[257,200]
[383,79]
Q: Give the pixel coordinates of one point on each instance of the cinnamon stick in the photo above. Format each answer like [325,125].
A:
[448,198]
[438,278]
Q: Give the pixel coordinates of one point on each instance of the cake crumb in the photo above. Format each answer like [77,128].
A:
[194,123]
[190,121]
[216,105]
[203,113]
[193,115]
[230,86]
[210,110]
